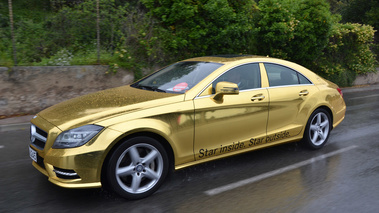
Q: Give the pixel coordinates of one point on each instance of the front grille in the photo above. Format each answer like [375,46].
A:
[38,137]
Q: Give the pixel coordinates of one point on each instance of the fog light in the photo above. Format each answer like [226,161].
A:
[66,173]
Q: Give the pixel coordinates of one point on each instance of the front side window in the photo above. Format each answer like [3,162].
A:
[279,76]
[178,77]
[246,76]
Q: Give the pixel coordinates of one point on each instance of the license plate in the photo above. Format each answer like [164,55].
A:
[33,154]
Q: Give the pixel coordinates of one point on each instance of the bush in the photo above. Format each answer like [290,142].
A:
[363,12]
[141,41]
[293,30]
[74,27]
[5,44]
[348,53]
[71,27]
[143,34]
[196,28]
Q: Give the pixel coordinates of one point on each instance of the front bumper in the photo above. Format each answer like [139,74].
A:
[71,171]
[78,167]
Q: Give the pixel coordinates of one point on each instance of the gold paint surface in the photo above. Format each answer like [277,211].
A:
[88,108]
[228,126]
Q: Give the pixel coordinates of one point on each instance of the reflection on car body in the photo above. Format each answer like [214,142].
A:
[128,138]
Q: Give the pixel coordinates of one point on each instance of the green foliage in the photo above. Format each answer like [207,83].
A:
[195,28]
[75,27]
[348,53]
[123,59]
[142,39]
[72,28]
[141,34]
[31,9]
[30,41]
[5,44]
[291,30]
[62,58]
[336,6]
[363,12]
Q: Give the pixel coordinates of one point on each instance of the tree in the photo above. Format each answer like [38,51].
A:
[347,54]
[294,30]
[363,12]
[12,32]
[98,30]
[199,27]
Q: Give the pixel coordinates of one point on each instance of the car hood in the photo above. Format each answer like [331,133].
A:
[92,107]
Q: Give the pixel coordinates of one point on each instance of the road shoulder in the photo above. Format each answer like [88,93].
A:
[15,123]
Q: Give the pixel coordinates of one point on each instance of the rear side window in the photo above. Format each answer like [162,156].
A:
[280,76]
[303,80]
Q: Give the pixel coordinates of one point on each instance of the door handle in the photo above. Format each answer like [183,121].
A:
[258,97]
[303,93]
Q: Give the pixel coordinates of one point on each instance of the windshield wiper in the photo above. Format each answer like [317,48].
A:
[155,89]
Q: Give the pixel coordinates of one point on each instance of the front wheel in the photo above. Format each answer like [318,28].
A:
[137,168]
[317,130]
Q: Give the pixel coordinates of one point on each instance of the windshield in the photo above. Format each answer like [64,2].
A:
[178,77]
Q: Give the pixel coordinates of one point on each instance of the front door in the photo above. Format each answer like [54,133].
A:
[236,123]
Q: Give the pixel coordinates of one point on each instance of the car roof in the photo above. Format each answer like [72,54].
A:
[225,58]
[241,59]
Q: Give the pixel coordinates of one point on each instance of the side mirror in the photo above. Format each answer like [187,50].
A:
[225,88]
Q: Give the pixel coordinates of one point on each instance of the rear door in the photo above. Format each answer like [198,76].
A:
[290,95]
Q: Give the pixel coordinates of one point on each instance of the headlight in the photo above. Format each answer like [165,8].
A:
[76,137]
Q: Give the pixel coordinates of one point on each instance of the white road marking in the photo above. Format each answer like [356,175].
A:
[1,146]
[367,96]
[232,186]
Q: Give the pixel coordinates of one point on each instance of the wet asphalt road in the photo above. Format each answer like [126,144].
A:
[341,177]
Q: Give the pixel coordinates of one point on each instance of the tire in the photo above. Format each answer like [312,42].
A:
[317,130]
[137,168]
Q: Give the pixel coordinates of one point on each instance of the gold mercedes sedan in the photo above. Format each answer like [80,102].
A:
[193,111]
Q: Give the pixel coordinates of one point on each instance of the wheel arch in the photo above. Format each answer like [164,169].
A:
[309,143]
[169,150]
[330,112]
[325,107]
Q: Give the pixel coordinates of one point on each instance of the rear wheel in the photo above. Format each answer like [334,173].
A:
[137,168]
[317,130]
